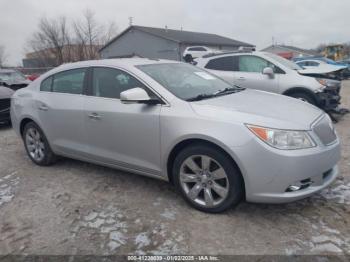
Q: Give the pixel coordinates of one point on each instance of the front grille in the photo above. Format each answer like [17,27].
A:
[5,104]
[325,131]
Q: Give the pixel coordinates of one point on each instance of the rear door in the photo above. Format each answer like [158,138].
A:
[61,113]
[126,135]
[249,74]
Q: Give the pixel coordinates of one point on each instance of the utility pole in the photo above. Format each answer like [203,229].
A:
[130,20]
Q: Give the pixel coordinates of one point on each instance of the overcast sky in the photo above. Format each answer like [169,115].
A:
[303,23]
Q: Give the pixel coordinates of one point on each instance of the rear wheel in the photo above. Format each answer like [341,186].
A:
[304,97]
[207,178]
[37,146]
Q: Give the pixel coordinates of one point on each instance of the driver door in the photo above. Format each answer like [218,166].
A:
[125,135]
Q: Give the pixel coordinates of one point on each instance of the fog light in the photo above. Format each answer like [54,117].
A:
[302,184]
[293,188]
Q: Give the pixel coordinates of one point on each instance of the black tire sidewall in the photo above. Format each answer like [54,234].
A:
[49,155]
[236,189]
[308,98]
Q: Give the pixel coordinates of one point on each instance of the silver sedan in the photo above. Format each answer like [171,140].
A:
[217,143]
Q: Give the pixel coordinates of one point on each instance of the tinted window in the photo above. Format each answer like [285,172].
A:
[71,82]
[46,84]
[197,49]
[109,82]
[312,63]
[227,63]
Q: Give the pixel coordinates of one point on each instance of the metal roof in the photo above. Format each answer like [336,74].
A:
[184,37]
[292,48]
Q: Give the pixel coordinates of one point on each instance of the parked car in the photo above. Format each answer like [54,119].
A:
[193,52]
[335,69]
[170,120]
[32,77]
[275,74]
[5,102]
[13,79]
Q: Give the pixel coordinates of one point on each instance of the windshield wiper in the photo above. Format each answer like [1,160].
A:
[229,90]
[226,91]
[200,97]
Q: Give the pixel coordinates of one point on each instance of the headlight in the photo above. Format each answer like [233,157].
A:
[323,82]
[283,139]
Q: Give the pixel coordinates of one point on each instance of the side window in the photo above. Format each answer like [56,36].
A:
[71,81]
[255,64]
[312,63]
[197,49]
[46,84]
[227,63]
[110,82]
[252,64]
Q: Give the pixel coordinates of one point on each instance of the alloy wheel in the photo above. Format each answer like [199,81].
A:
[204,180]
[35,144]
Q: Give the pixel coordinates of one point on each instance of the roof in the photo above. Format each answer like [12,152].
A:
[184,37]
[292,48]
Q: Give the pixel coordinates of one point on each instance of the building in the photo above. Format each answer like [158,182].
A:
[164,43]
[290,52]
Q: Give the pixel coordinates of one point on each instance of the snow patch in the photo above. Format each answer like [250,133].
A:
[7,186]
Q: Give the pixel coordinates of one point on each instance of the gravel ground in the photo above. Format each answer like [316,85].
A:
[79,208]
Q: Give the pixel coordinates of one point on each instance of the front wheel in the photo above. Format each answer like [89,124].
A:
[207,178]
[37,146]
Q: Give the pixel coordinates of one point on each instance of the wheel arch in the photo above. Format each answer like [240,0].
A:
[298,89]
[23,123]
[190,141]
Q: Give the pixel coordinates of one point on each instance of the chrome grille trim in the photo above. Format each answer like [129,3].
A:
[324,130]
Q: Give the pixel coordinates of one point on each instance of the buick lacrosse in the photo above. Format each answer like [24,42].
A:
[217,143]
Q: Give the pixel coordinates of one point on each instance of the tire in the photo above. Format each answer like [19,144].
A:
[213,187]
[304,97]
[37,146]
[188,58]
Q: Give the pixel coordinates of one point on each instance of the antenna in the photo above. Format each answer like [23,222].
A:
[130,20]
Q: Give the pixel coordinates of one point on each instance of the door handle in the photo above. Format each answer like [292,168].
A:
[94,116]
[241,78]
[43,107]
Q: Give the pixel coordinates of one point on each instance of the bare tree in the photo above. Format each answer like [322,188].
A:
[91,35]
[70,41]
[51,38]
[3,55]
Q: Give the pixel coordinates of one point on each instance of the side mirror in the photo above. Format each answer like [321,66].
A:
[269,72]
[137,95]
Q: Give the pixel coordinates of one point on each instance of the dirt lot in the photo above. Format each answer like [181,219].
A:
[78,208]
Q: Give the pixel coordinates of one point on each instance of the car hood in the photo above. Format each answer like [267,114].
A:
[5,92]
[259,108]
[322,69]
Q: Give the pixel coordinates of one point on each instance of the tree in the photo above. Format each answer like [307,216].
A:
[62,41]
[50,39]
[90,35]
[3,55]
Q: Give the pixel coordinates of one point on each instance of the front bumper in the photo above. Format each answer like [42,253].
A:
[269,172]
[329,99]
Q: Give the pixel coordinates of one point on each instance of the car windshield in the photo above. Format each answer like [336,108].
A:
[287,63]
[186,81]
[12,76]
